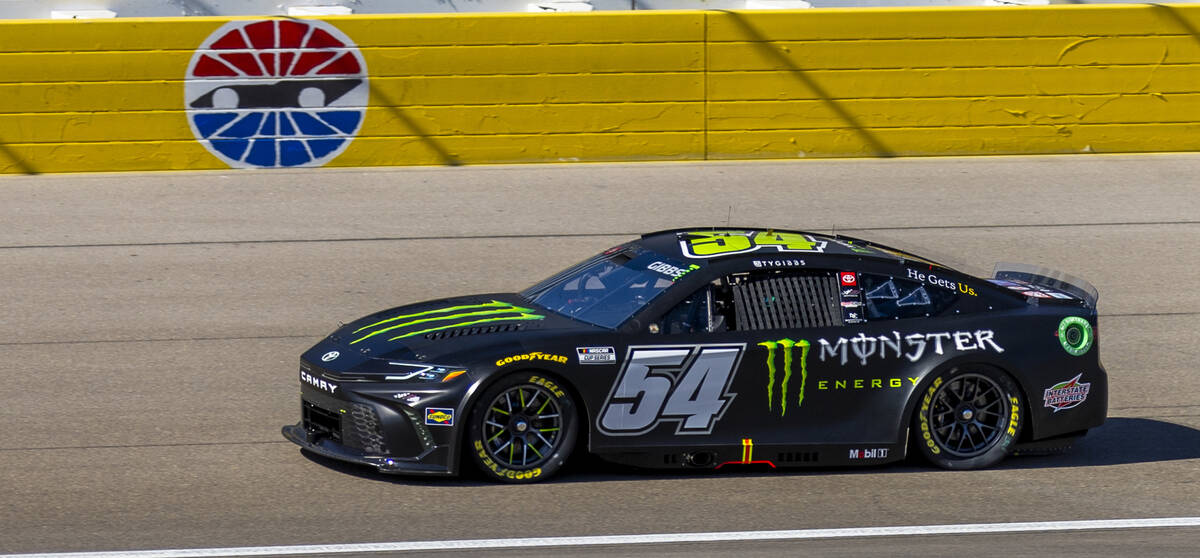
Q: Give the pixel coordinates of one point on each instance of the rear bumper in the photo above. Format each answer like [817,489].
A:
[323,446]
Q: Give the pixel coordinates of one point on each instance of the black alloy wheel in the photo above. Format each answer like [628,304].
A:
[968,419]
[522,429]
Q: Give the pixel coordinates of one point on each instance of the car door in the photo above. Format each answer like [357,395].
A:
[674,384]
[729,364]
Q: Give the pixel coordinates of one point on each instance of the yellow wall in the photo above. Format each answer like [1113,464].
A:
[108,94]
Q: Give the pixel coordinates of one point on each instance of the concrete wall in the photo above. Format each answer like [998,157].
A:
[106,95]
[26,9]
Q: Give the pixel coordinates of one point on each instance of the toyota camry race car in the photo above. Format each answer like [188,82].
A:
[715,349]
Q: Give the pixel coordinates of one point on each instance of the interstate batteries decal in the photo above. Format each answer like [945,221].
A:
[276,93]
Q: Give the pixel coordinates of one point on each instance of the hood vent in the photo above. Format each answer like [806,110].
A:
[446,334]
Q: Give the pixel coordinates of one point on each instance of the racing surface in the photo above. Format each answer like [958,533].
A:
[153,323]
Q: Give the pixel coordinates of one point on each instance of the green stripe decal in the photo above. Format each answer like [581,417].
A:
[770,345]
[804,346]
[493,308]
[522,317]
[433,319]
[787,374]
[493,304]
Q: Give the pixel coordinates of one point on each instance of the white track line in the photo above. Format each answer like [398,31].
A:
[964,529]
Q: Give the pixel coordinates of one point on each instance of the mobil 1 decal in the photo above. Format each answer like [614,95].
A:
[276,93]
[684,384]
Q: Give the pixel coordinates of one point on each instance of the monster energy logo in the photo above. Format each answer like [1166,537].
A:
[786,345]
[420,323]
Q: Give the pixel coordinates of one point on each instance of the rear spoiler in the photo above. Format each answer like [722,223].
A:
[1049,278]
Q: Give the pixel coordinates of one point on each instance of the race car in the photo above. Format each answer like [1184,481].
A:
[715,349]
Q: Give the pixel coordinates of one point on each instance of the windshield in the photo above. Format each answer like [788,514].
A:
[609,288]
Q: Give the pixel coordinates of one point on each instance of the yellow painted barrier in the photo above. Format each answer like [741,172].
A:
[211,93]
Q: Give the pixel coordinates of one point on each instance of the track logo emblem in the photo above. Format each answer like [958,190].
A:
[276,93]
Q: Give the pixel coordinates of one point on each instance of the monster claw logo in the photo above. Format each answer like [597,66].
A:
[786,345]
[276,93]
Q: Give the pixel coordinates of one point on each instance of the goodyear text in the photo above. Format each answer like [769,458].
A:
[502,471]
[532,356]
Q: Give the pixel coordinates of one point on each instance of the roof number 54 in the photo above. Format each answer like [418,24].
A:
[707,244]
[685,384]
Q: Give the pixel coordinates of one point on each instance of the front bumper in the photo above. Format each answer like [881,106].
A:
[367,425]
[297,434]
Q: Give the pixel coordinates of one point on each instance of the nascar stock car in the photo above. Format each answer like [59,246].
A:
[713,349]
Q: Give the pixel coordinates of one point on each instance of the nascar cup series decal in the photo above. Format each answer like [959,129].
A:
[276,93]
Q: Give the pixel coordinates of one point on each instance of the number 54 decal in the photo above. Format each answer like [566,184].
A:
[688,384]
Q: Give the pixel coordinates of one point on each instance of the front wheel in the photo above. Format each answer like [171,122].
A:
[522,429]
[968,418]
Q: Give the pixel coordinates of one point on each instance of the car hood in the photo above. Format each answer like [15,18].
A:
[442,331]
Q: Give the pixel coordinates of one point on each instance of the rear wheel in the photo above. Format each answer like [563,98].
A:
[968,418]
[522,429]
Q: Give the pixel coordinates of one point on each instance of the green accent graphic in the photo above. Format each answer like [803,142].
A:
[787,345]
[492,304]
[689,269]
[804,346]
[1075,334]
[770,345]
[493,308]
[517,318]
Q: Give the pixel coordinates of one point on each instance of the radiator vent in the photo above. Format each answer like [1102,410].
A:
[478,330]
[786,300]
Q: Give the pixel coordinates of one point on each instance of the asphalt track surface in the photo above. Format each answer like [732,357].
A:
[152,323]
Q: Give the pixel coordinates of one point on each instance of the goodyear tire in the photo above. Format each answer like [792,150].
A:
[522,428]
[968,418]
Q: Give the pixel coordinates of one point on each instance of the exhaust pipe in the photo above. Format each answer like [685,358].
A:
[700,459]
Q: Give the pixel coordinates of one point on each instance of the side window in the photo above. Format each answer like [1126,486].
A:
[707,310]
[690,315]
[889,298]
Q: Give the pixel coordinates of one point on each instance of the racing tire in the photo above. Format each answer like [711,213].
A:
[522,428]
[967,418]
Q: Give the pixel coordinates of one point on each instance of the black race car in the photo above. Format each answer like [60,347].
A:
[715,349]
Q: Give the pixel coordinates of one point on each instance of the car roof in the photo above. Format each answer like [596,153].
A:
[681,243]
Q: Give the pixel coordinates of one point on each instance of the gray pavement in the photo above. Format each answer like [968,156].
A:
[152,324]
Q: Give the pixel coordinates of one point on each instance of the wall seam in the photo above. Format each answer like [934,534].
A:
[704,85]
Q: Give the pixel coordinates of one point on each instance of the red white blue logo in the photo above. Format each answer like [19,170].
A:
[276,93]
